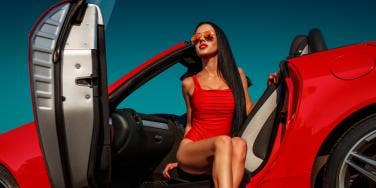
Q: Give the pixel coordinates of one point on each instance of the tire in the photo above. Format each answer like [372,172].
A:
[352,162]
[6,179]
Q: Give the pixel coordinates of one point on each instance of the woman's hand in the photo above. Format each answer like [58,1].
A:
[273,78]
[169,167]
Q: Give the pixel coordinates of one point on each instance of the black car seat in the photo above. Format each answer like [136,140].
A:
[303,44]
[182,179]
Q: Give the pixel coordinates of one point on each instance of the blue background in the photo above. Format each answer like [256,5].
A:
[259,33]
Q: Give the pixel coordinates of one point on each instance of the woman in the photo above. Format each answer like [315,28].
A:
[217,102]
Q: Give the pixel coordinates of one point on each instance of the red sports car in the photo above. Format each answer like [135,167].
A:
[315,128]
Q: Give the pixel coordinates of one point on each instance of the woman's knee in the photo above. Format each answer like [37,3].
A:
[180,153]
[239,147]
[181,156]
[223,142]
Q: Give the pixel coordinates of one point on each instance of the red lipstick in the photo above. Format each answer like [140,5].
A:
[203,45]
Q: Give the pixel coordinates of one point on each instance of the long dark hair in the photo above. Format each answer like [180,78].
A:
[228,70]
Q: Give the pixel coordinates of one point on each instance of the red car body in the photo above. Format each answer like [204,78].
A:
[325,91]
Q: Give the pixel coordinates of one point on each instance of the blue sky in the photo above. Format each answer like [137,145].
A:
[260,34]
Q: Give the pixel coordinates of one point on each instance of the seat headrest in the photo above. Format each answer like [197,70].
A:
[316,41]
[299,46]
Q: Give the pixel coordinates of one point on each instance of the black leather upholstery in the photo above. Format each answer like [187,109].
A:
[179,175]
[316,41]
[297,45]
[303,44]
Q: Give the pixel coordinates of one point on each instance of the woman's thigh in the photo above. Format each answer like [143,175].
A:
[197,157]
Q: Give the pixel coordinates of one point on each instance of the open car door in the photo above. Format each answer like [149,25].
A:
[69,93]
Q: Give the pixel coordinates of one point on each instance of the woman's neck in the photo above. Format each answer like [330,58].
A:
[210,64]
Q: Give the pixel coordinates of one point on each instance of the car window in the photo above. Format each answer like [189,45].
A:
[162,94]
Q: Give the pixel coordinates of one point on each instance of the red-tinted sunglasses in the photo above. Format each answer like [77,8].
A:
[208,35]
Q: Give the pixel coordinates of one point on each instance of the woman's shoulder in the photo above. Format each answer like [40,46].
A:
[241,72]
[187,83]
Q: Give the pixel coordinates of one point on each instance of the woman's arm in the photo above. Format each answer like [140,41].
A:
[187,90]
[248,101]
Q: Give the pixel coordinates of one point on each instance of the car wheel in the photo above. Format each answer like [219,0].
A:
[353,159]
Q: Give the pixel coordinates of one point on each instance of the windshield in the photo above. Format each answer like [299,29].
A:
[106,6]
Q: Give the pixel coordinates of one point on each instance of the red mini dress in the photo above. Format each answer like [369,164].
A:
[212,112]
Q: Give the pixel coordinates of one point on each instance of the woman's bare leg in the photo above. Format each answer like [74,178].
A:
[222,162]
[195,157]
[239,151]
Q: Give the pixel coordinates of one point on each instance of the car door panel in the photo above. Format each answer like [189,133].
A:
[69,91]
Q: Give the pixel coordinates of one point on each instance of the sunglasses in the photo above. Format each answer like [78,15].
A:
[208,35]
